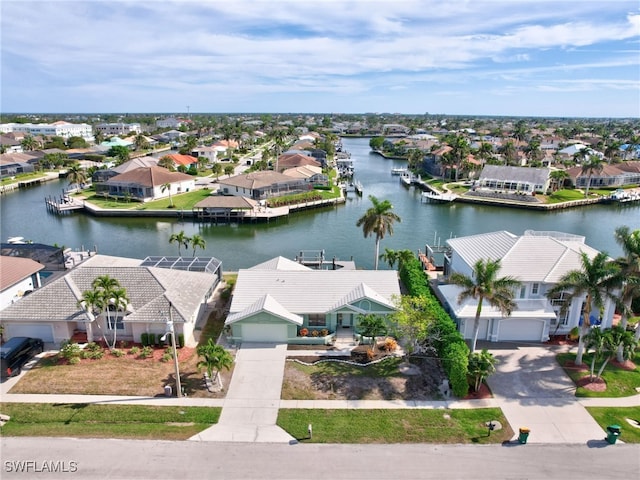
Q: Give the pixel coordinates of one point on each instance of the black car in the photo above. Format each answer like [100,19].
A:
[16,352]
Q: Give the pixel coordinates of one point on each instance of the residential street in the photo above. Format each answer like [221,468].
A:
[137,459]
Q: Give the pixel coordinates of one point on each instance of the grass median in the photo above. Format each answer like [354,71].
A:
[82,420]
[395,426]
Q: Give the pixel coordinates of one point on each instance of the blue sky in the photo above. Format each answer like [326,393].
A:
[516,57]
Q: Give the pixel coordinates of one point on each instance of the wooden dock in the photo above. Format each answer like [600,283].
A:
[63,205]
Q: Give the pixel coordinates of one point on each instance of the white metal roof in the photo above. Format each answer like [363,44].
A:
[266,303]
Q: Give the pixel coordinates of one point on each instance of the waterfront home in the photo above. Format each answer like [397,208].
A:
[117,142]
[291,160]
[615,175]
[210,153]
[538,260]
[102,175]
[276,301]
[146,183]
[12,164]
[262,184]
[312,175]
[514,179]
[55,312]
[20,276]
[183,162]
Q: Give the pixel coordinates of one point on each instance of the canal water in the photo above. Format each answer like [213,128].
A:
[332,229]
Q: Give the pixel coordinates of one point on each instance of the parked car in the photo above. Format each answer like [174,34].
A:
[16,352]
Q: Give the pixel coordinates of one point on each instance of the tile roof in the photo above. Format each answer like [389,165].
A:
[185,160]
[149,177]
[149,290]
[16,269]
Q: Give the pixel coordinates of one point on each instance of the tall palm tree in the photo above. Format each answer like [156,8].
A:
[109,288]
[167,187]
[119,301]
[29,143]
[486,285]
[378,220]
[558,177]
[92,301]
[76,174]
[167,162]
[198,241]
[181,239]
[594,283]
[141,143]
[591,165]
[629,274]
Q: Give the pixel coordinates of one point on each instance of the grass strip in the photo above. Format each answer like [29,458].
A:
[106,421]
[395,426]
[606,416]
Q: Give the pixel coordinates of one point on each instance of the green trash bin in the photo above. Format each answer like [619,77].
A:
[613,432]
[524,435]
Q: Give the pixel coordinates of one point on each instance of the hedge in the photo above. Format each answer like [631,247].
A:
[449,342]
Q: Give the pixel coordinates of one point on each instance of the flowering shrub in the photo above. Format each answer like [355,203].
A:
[304,332]
[315,333]
[390,344]
[324,332]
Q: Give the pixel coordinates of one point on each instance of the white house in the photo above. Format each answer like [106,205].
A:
[55,129]
[170,122]
[538,260]
[210,153]
[118,128]
[19,277]
[146,183]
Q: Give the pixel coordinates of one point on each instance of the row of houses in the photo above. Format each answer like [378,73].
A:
[274,300]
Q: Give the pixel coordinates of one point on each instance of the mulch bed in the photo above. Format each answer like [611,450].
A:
[483,392]
[595,385]
[571,365]
[626,365]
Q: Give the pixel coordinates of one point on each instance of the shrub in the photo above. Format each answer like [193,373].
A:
[93,354]
[93,347]
[304,332]
[74,361]
[315,333]
[180,340]
[390,344]
[324,332]
[166,357]
[70,351]
[117,352]
[123,344]
[134,350]
[144,339]
[146,352]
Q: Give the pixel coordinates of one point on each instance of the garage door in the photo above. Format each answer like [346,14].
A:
[521,330]
[264,332]
[45,332]
[483,331]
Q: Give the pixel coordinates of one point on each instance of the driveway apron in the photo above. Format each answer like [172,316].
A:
[250,409]
[534,392]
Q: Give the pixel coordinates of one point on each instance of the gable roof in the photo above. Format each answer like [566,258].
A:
[280,263]
[254,180]
[16,269]
[134,163]
[314,291]
[267,304]
[149,177]
[227,202]
[185,160]
[538,176]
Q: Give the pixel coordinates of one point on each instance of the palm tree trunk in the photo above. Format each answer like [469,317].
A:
[476,330]
[583,332]
[623,324]
[375,260]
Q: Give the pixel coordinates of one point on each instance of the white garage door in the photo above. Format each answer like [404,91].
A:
[45,332]
[264,332]
[521,329]
[483,331]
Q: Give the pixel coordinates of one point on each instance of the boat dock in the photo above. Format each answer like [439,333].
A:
[438,197]
[63,204]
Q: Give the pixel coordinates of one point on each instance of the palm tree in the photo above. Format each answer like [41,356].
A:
[509,152]
[167,162]
[29,143]
[167,187]
[594,282]
[629,274]
[485,151]
[118,301]
[558,177]
[112,294]
[591,165]
[181,239]
[141,142]
[214,357]
[379,220]
[197,241]
[92,301]
[372,326]
[76,174]
[486,285]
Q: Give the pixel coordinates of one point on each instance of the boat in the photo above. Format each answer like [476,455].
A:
[624,196]
[399,171]
[438,197]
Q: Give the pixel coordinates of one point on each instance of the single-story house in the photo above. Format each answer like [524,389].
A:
[185,161]
[514,179]
[262,184]
[538,260]
[102,175]
[20,276]
[616,175]
[291,160]
[145,184]
[310,174]
[55,312]
[274,300]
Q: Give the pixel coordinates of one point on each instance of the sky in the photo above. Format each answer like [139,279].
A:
[547,58]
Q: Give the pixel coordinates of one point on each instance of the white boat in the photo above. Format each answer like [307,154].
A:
[438,197]
[399,171]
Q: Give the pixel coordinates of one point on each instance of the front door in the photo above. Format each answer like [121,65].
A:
[345,320]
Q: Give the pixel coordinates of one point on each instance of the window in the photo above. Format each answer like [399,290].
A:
[535,289]
[317,320]
[523,292]
[115,323]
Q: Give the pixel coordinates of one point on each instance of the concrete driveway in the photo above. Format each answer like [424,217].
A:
[534,392]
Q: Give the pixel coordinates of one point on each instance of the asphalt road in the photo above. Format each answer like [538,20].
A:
[141,459]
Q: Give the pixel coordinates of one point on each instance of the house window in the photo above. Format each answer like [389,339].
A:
[535,289]
[523,292]
[317,320]
[115,323]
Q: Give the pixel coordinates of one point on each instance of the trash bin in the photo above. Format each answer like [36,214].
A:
[524,435]
[167,391]
[613,432]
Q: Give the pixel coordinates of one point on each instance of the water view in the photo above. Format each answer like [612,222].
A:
[332,229]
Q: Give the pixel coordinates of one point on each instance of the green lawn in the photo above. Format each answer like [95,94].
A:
[620,382]
[21,177]
[183,201]
[560,196]
[106,421]
[606,416]
[395,426]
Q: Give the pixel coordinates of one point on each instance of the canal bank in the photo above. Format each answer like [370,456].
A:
[330,228]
